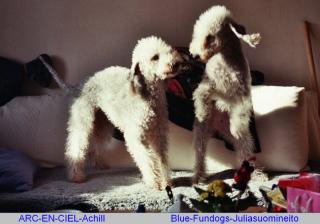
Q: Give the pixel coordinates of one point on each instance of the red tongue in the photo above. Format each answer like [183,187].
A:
[173,86]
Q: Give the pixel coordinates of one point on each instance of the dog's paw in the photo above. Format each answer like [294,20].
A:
[76,175]
[155,185]
[201,112]
[78,178]
[195,180]
[201,116]
[158,184]
[166,183]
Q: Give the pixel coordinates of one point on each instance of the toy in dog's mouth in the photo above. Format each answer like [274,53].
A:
[196,63]
[174,70]
[186,66]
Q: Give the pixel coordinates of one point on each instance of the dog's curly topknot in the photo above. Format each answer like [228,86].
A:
[209,22]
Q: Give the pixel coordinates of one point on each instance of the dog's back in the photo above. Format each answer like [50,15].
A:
[111,90]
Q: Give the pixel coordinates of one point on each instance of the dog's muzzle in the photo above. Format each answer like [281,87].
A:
[196,57]
[174,70]
[175,67]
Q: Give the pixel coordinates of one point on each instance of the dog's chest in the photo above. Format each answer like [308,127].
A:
[156,113]
[223,77]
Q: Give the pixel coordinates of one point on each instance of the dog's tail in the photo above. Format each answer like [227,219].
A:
[69,89]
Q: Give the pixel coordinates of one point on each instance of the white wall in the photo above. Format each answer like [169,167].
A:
[85,36]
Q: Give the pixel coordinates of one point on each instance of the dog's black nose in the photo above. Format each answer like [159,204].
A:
[196,57]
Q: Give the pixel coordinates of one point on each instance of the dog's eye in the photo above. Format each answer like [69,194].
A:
[209,41]
[155,58]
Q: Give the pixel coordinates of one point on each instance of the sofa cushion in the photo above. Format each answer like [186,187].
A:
[16,171]
[36,125]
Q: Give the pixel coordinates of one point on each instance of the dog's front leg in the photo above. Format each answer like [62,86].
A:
[146,159]
[159,146]
[202,98]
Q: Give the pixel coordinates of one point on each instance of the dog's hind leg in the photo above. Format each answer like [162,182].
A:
[102,133]
[202,134]
[203,111]
[239,128]
[80,126]
[244,146]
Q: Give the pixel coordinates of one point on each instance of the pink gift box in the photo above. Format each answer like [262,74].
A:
[301,200]
[307,181]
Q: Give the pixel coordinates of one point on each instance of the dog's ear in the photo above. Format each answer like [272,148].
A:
[251,39]
[138,82]
[239,28]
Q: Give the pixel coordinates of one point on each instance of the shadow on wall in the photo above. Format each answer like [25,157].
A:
[315,37]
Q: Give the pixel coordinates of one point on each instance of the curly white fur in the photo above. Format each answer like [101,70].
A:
[226,82]
[134,101]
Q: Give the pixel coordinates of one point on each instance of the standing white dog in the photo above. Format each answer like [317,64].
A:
[226,81]
[134,101]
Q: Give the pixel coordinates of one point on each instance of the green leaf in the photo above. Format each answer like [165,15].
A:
[201,206]
[199,190]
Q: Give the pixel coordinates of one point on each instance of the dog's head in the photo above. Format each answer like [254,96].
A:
[153,60]
[215,29]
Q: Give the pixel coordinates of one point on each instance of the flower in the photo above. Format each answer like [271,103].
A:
[219,188]
[204,196]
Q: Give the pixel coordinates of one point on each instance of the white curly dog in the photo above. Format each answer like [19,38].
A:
[134,101]
[226,82]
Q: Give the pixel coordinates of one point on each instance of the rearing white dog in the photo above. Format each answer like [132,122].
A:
[226,82]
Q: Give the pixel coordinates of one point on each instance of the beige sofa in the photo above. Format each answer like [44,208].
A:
[36,125]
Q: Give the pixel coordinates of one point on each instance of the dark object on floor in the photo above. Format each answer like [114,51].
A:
[141,208]
[13,75]
[250,200]
[36,205]
[81,207]
[169,193]
[17,171]
[179,206]
[265,199]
